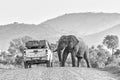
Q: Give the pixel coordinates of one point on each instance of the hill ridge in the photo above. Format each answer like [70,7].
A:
[79,24]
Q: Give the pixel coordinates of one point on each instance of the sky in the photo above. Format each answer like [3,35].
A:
[37,11]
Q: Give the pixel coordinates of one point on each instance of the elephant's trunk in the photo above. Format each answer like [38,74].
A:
[59,54]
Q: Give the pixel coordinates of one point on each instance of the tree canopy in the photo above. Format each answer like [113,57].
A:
[111,41]
[17,45]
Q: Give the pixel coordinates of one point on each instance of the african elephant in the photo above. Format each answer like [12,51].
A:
[76,47]
[61,45]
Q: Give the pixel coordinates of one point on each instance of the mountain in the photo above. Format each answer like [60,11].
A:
[97,38]
[16,30]
[86,25]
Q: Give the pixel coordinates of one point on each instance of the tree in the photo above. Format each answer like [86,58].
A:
[98,56]
[92,47]
[100,46]
[112,42]
[117,53]
[17,45]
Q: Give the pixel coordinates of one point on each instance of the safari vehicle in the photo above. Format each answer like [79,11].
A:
[37,52]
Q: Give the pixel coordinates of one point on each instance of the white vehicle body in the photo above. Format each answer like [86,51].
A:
[37,55]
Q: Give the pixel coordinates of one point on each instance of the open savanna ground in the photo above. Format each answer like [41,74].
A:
[56,73]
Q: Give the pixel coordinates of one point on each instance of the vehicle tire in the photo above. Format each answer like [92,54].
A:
[51,64]
[29,65]
[25,65]
[48,64]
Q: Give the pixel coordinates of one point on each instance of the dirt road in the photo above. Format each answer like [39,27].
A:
[55,73]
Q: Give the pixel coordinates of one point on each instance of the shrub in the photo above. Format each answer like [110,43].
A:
[99,57]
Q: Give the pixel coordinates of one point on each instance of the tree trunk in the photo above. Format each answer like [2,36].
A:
[112,51]
[113,54]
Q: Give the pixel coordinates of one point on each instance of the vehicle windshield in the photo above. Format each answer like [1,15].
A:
[36,44]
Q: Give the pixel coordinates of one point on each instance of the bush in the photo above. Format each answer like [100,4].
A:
[99,57]
[18,60]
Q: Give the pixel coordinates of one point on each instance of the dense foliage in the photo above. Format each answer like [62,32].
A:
[98,57]
[111,41]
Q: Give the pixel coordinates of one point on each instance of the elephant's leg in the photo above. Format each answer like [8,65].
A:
[73,56]
[79,61]
[79,55]
[86,57]
[65,54]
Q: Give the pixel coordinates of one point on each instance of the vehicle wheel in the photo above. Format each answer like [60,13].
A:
[25,65]
[29,65]
[51,64]
[48,64]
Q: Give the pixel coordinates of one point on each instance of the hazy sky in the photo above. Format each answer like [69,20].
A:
[37,11]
